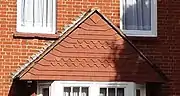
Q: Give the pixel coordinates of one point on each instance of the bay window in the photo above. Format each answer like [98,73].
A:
[83,88]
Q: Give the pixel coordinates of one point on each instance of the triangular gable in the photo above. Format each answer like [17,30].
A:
[92,49]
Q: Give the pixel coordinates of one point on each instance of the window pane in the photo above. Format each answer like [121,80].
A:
[120,91]
[67,91]
[37,13]
[136,14]
[111,91]
[76,91]
[138,92]
[50,13]
[103,91]
[85,91]
[45,91]
[27,12]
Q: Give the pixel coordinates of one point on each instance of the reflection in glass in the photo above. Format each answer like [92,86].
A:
[111,91]
[136,14]
[67,91]
[120,91]
[75,91]
[138,92]
[102,91]
[84,91]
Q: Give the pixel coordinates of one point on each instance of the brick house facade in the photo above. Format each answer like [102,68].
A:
[16,49]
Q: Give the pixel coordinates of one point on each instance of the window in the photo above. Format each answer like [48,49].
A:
[82,88]
[139,17]
[76,91]
[111,91]
[44,89]
[36,16]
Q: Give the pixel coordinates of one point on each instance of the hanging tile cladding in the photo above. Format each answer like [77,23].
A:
[94,51]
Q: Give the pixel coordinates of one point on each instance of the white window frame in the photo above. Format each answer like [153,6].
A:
[139,33]
[57,87]
[22,29]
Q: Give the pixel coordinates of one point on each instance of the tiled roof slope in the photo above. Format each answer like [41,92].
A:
[91,50]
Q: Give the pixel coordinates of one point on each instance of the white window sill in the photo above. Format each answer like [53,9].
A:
[137,33]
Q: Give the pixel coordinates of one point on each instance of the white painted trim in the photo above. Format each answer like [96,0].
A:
[30,29]
[138,33]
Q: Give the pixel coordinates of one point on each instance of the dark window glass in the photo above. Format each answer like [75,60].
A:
[138,92]
[45,91]
[85,91]
[111,91]
[67,91]
[76,91]
[120,91]
[103,91]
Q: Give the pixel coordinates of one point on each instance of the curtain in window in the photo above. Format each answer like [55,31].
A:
[67,91]
[37,13]
[136,14]
[111,91]
[76,91]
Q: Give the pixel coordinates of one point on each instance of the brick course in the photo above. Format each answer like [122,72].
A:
[164,51]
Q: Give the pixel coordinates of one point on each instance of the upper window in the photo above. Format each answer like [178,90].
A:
[139,17]
[36,16]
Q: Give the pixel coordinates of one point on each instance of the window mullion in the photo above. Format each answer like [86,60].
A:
[115,91]
[71,93]
[80,91]
[107,93]
[49,90]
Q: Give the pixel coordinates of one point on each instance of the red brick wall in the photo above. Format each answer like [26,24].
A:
[163,51]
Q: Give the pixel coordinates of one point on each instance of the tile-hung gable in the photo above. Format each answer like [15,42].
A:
[91,54]
[91,49]
[92,57]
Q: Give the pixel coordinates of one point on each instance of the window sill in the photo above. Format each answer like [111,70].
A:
[136,33]
[35,35]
